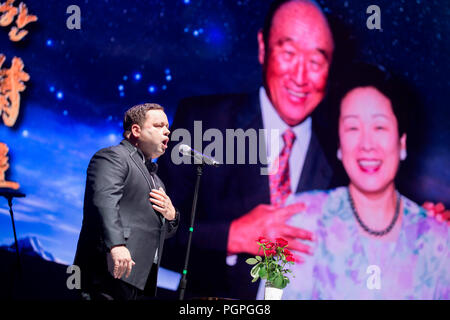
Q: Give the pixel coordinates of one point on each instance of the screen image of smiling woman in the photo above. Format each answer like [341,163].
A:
[371,242]
[369,139]
[371,147]
[372,135]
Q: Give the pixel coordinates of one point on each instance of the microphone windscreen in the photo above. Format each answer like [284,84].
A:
[185,149]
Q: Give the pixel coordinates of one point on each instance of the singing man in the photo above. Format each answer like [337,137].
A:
[127,214]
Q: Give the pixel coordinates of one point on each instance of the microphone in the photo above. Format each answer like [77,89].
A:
[188,151]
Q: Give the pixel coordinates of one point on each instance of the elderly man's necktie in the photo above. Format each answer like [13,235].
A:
[280,181]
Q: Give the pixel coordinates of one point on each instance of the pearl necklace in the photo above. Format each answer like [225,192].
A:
[366,228]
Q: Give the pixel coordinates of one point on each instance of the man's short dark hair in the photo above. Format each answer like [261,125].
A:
[274,6]
[136,115]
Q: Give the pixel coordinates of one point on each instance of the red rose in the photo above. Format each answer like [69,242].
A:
[290,258]
[270,245]
[263,240]
[281,242]
[287,252]
[271,252]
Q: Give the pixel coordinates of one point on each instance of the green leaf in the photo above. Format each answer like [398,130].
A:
[255,271]
[258,258]
[251,261]
[263,273]
[278,282]
[271,277]
[284,283]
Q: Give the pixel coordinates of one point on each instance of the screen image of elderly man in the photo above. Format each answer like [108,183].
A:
[127,213]
[237,204]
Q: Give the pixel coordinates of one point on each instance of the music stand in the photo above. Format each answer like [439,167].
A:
[9,194]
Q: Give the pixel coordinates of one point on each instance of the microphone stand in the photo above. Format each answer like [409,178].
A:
[9,194]
[191,230]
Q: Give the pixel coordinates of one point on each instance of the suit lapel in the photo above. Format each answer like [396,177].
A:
[316,172]
[136,158]
[248,112]
[249,117]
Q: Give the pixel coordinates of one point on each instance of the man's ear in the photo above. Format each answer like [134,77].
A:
[261,47]
[136,130]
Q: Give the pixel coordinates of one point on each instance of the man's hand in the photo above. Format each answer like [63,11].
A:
[267,221]
[161,203]
[437,211]
[119,262]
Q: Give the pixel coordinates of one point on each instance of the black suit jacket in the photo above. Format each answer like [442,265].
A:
[117,211]
[226,193]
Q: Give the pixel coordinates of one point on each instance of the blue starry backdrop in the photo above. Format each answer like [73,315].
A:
[129,52]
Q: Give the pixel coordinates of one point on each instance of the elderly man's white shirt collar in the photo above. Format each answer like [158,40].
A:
[275,127]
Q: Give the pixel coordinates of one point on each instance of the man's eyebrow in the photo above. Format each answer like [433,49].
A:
[324,53]
[283,40]
[163,123]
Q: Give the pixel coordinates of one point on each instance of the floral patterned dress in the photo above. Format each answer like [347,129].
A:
[348,265]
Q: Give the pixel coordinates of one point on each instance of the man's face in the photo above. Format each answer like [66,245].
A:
[297,60]
[154,135]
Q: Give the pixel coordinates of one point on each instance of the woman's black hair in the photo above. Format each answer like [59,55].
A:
[394,88]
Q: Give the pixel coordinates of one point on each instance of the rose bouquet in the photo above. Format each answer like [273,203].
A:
[272,266]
